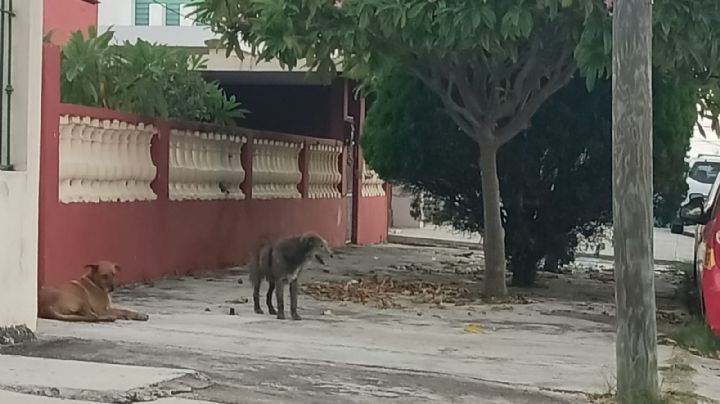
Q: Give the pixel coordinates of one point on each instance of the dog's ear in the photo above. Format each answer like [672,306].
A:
[116,267]
[92,268]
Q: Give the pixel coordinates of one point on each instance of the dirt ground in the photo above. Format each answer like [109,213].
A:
[385,324]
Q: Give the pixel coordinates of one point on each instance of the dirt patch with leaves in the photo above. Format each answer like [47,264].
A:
[386,292]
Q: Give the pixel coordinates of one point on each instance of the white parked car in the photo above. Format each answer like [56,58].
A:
[703,171]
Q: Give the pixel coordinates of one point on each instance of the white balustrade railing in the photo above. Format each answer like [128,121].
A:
[372,184]
[105,161]
[323,171]
[205,166]
[276,169]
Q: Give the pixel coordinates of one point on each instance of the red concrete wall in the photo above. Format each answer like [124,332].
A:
[372,217]
[157,238]
[63,17]
[372,222]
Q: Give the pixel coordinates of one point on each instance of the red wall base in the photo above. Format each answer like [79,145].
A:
[372,223]
[154,239]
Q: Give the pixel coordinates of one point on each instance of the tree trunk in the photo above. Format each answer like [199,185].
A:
[524,269]
[494,237]
[552,263]
[636,346]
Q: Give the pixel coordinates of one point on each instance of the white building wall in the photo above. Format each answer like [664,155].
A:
[19,189]
[116,12]
[119,16]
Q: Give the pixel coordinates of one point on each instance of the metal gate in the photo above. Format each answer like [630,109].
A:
[6,88]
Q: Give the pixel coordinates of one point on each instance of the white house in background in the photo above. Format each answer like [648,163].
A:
[169,22]
[161,21]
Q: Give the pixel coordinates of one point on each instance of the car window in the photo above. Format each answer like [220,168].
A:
[704,171]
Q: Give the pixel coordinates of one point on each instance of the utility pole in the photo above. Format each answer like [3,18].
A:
[636,345]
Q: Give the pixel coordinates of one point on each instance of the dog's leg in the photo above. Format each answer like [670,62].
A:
[256,296]
[84,314]
[279,291]
[80,317]
[268,298]
[294,299]
[121,314]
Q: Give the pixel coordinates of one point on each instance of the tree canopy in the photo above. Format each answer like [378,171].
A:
[492,63]
[556,176]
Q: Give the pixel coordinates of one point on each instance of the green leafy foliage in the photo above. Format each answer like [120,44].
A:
[142,78]
[674,115]
[556,176]
[492,63]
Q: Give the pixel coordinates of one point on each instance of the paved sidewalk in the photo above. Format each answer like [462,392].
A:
[667,247]
[8,397]
[42,380]
[555,347]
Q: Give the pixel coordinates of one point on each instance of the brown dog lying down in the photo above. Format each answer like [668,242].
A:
[86,299]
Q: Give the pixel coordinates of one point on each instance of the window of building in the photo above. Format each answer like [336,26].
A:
[161,12]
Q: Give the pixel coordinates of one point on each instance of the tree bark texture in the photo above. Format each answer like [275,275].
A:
[494,235]
[636,346]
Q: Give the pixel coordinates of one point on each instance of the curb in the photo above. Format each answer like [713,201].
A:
[431,242]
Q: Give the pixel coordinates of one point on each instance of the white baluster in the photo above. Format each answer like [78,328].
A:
[194,174]
[122,174]
[130,141]
[186,165]
[78,182]
[259,168]
[276,169]
[66,166]
[149,171]
[172,166]
[92,153]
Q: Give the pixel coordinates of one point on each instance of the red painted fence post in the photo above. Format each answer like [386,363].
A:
[246,157]
[49,153]
[304,166]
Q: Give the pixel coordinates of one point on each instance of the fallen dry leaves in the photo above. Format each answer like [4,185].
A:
[383,293]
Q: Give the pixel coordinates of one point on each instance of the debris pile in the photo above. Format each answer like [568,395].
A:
[384,293]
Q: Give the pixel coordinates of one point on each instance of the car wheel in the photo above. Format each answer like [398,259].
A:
[677,228]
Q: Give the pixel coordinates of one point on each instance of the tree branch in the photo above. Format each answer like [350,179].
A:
[435,80]
[527,78]
[469,95]
[564,70]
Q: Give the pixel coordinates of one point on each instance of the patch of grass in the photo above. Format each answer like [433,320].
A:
[670,397]
[694,333]
[696,337]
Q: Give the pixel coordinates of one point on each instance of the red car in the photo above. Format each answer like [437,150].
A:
[706,214]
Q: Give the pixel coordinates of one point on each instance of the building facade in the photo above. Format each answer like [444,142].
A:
[21,73]
[167,22]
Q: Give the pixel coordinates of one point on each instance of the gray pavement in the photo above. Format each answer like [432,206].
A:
[556,347]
